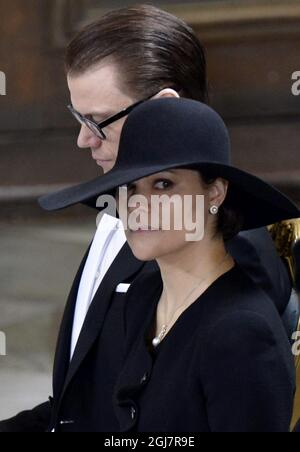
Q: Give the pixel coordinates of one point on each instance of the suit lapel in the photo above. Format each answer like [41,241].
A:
[62,355]
[124,266]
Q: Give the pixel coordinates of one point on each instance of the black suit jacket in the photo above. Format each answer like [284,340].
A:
[254,251]
[225,366]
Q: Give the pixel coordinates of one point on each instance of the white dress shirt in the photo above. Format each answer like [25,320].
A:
[108,241]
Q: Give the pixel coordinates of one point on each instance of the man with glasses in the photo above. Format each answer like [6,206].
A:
[97,128]
[128,56]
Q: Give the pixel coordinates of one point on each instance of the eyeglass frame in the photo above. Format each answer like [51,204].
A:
[83,120]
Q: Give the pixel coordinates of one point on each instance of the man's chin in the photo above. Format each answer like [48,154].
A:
[105,165]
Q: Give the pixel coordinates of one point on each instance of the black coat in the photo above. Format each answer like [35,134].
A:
[225,366]
[75,395]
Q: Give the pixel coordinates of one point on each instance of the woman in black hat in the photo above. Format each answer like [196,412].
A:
[206,349]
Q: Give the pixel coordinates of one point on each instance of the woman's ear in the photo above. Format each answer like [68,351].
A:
[217,192]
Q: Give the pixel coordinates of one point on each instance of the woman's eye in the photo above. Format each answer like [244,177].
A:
[163,184]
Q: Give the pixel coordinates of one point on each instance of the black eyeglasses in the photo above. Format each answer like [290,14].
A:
[95,127]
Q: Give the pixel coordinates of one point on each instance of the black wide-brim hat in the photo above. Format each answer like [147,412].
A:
[166,134]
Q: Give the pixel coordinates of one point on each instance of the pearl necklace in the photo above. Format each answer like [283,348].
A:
[157,340]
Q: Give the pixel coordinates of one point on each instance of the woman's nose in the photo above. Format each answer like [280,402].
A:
[140,202]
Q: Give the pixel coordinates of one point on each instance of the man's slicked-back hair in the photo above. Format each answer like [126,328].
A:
[152,49]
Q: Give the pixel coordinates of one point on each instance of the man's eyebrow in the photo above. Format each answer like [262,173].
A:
[103,114]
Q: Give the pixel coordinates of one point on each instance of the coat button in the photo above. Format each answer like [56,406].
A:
[145,378]
[67,422]
[133,413]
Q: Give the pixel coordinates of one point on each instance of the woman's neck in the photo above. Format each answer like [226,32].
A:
[196,265]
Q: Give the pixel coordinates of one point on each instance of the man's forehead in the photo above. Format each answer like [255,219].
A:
[94,93]
[108,72]
[87,109]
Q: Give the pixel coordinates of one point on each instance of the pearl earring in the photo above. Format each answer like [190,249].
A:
[214,210]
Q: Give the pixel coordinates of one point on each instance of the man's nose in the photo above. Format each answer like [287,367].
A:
[87,139]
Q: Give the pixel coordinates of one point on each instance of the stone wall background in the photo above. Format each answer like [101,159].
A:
[252,49]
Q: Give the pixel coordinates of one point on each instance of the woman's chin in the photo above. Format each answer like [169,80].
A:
[144,251]
[144,255]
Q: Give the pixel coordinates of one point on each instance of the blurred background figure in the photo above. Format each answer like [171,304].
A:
[252,55]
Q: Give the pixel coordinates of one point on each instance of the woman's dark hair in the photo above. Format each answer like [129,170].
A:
[152,48]
[230,220]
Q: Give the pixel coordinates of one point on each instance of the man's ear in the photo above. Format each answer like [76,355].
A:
[167,92]
[218,191]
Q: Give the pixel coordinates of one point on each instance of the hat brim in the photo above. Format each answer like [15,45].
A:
[260,203]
